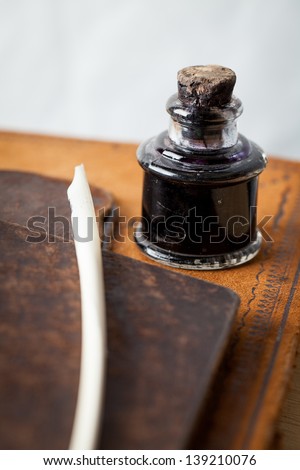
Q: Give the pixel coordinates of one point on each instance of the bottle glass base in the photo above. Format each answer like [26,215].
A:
[196,262]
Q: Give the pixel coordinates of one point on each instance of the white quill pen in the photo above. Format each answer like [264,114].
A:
[88,411]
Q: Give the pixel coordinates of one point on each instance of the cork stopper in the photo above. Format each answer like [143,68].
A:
[205,86]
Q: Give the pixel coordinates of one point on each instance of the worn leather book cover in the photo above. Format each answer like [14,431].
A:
[166,337]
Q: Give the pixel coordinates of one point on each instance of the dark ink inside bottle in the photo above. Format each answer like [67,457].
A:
[201,177]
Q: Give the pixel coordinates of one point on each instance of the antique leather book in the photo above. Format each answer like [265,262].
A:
[166,338]
[247,395]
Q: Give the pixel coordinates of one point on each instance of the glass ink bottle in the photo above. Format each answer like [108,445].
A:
[201,178]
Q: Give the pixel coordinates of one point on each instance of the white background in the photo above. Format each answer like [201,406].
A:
[264,459]
[104,69]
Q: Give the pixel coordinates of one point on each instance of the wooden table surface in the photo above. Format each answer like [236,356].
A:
[248,394]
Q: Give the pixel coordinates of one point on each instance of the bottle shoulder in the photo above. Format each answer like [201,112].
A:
[160,156]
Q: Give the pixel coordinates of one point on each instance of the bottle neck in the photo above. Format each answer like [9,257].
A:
[203,129]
